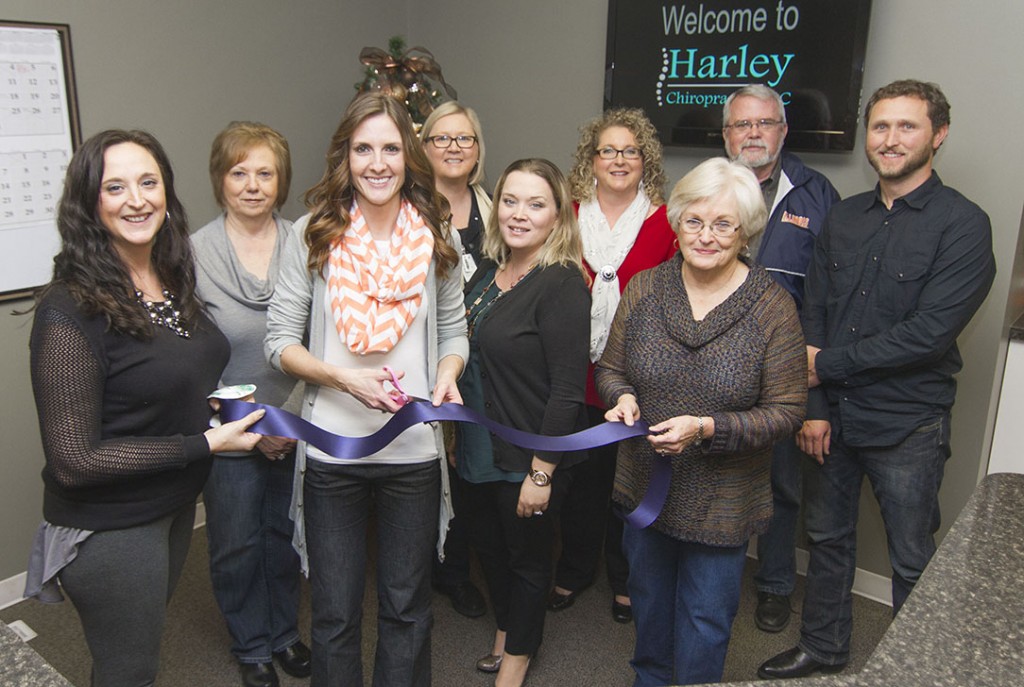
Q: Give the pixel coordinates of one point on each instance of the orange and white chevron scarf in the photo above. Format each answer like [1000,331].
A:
[375,298]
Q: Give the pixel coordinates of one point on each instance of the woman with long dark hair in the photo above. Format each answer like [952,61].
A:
[122,360]
[371,273]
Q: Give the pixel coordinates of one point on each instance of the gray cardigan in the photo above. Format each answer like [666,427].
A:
[296,309]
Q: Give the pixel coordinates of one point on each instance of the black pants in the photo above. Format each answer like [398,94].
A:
[455,568]
[515,554]
[586,519]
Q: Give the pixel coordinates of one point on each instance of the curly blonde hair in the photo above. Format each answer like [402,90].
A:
[581,178]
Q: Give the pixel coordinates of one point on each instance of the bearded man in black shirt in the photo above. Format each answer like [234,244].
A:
[896,275]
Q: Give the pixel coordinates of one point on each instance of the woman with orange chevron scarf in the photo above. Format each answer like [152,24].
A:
[369,293]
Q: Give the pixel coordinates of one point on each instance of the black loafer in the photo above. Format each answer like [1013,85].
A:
[622,613]
[560,602]
[794,663]
[258,675]
[773,611]
[466,599]
[295,660]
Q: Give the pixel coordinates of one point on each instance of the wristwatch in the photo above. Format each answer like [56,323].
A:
[540,478]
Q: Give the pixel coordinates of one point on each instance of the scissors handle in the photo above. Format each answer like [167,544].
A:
[402,396]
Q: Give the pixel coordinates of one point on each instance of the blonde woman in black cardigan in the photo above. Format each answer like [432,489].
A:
[528,311]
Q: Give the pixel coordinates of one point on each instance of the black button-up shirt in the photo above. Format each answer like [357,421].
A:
[887,293]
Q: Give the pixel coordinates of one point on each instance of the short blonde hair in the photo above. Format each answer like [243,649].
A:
[719,177]
[564,245]
[653,180]
[451,107]
[233,144]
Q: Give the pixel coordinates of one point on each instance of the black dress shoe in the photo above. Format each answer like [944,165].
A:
[258,675]
[622,613]
[772,613]
[560,602]
[466,599]
[295,660]
[794,663]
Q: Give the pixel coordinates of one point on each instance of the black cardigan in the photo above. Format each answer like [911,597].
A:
[534,351]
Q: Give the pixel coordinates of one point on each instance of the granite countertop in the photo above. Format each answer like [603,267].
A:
[964,622]
[1017,329]
[20,665]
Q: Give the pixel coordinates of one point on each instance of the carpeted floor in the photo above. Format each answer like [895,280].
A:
[582,645]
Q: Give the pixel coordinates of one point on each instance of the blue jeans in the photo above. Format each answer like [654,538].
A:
[905,479]
[685,596]
[338,499]
[776,553]
[254,569]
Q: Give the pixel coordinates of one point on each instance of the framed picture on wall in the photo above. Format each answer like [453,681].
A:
[39,132]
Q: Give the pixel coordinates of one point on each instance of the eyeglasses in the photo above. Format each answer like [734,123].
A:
[746,125]
[444,140]
[720,227]
[609,153]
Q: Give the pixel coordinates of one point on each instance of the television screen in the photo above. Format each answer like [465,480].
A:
[678,61]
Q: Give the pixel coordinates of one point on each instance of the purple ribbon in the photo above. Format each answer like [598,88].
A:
[281,423]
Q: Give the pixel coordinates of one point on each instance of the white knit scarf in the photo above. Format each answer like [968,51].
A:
[604,249]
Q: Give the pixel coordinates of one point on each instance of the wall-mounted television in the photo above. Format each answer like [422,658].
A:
[678,61]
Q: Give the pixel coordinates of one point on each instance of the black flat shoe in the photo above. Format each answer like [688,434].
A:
[773,611]
[258,675]
[466,599]
[560,602]
[794,663]
[295,660]
[622,613]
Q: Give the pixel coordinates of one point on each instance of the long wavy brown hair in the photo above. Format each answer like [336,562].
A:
[90,267]
[331,198]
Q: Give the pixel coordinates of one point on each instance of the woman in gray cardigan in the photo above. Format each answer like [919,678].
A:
[371,276]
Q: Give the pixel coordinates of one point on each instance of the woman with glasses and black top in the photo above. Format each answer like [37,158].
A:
[454,144]
[616,180]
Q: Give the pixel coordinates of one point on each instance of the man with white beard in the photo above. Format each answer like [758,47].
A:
[798,198]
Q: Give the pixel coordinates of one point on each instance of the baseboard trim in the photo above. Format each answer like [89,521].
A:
[12,589]
[867,584]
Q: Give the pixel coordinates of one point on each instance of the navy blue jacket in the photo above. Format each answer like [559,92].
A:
[801,204]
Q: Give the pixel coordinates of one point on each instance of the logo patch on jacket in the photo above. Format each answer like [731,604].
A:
[804,222]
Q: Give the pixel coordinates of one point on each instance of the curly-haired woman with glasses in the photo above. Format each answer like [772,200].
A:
[617,181]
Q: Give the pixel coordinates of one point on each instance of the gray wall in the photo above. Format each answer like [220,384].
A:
[183,70]
[534,71]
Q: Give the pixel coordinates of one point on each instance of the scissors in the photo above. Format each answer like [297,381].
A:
[401,396]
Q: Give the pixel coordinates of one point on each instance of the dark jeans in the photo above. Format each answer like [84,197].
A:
[905,479]
[685,596]
[515,555]
[337,506]
[120,583]
[587,520]
[776,553]
[254,569]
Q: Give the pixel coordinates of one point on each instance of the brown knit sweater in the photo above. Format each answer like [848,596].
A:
[744,365]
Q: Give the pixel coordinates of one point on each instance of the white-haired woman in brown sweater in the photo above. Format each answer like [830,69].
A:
[709,351]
